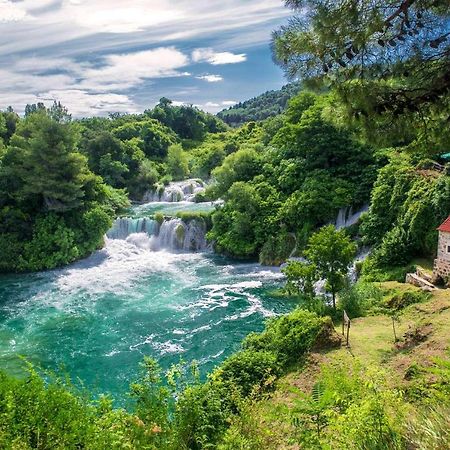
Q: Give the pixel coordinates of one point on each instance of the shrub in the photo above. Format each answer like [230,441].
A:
[289,337]
[249,370]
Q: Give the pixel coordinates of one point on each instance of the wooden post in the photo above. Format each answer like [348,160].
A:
[348,331]
[346,325]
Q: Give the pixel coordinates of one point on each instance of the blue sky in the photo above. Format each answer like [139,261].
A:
[101,56]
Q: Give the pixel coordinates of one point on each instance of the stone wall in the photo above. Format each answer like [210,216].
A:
[441,270]
[443,244]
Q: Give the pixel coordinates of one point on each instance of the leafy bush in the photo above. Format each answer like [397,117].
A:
[35,414]
[289,337]
[249,369]
[200,216]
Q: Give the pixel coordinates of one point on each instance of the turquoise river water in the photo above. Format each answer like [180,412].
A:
[96,319]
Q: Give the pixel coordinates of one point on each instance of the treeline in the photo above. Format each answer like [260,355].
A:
[371,133]
[266,105]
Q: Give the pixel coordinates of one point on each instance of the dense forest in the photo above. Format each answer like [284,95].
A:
[262,107]
[367,130]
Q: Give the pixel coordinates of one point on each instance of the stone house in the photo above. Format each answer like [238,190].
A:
[441,269]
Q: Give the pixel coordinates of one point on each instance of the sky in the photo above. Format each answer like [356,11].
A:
[102,56]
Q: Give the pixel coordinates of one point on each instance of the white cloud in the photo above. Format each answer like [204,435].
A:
[11,12]
[210,78]
[124,71]
[83,87]
[217,58]
[81,103]
[109,16]
[229,103]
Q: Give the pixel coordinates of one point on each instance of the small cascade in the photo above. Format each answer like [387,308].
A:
[173,234]
[177,191]
[346,217]
[353,270]
[125,226]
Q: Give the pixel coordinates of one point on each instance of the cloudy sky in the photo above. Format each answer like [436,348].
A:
[101,56]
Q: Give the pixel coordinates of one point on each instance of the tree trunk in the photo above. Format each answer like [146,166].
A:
[334,299]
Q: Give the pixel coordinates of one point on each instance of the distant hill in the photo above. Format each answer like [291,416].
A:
[261,107]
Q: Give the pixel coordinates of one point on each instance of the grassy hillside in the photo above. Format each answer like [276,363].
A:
[408,368]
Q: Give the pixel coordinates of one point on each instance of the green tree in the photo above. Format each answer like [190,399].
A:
[301,277]
[388,60]
[48,163]
[177,162]
[332,252]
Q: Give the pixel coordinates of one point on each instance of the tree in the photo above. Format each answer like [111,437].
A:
[388,58]
[177,162]
[47,163]
[301,277]
[59,113]
[332,252]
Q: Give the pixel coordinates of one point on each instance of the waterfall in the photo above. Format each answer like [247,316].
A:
[361,256]
[346,217]
[173,234]
[175,192]
[125,226]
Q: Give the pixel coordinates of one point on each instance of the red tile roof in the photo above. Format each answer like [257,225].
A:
[445,225]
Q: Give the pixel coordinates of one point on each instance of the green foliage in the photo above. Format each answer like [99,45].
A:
[332,252]
[187,121]
[243,224]
[360,299]
[342,44]
[43,156]
[261,107]
[198,216]
[209,155]
[407,206]
[289,337]
[177,162]
[277,248]
[242,165]
[53,209]
[52,245]
[310,170]
[301,277]
[249,370]
[34,414]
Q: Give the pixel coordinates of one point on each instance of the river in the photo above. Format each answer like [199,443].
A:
[95,320]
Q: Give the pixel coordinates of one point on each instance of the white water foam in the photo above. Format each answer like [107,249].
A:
[121,263]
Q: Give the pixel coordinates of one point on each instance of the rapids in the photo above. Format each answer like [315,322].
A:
[152,290]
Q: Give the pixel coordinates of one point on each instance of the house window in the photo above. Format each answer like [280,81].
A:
[448,248]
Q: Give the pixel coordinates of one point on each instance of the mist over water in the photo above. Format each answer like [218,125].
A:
[97,318]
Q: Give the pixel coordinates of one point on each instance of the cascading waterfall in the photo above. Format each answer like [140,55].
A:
[178,191]
[346,217]
[125,226]
[173,234]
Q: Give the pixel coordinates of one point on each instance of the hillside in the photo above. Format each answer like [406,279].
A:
[407,377]
[261,107]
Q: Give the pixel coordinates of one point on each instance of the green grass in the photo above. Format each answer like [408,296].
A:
[371,344]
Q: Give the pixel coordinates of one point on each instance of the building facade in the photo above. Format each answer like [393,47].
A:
[441,269]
